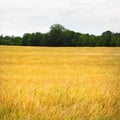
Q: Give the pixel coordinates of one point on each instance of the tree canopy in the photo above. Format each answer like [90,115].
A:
[60,36]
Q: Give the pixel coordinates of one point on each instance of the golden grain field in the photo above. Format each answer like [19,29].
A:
[41,83]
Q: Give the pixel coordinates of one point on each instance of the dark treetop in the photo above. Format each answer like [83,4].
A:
[60,36]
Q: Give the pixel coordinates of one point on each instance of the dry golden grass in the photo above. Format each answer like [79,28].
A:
[39,83]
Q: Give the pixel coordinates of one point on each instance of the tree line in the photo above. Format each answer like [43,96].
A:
[60,36]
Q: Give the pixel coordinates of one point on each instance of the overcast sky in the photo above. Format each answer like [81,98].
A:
[86,16]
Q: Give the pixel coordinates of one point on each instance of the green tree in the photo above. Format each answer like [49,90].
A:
[56,35]
[106,38]
[84,39]
[26,39]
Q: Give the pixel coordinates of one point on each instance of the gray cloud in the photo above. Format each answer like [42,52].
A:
[87,16]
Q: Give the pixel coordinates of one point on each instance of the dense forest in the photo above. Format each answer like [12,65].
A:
[60,36]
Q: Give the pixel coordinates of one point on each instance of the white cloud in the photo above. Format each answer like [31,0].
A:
[88,16]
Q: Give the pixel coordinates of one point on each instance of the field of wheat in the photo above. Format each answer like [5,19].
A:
[41,83]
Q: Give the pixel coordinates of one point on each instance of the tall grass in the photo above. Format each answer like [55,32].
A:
[40,83]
